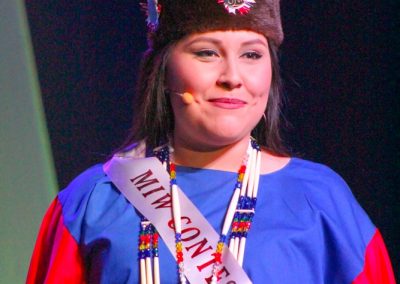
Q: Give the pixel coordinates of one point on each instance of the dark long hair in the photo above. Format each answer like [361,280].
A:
[153,119]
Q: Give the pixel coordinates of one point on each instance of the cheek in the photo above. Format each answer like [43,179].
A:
[172,78]
[261,94]
[175,71]
[183,74]
[259,82]
[261,105]
[186,75]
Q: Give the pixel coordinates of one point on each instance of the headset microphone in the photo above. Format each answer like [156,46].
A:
[187,98]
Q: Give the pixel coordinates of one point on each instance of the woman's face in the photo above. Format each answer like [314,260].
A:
[229,75]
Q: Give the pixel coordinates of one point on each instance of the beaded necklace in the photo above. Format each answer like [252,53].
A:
[238,218]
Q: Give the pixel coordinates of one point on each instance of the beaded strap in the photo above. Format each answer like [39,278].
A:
[241,209]
[148,252]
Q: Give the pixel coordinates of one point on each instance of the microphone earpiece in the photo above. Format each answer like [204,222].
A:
[187,98]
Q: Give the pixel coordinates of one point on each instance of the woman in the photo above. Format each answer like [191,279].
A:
[221,207]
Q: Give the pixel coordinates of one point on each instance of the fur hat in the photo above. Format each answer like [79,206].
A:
[177,18]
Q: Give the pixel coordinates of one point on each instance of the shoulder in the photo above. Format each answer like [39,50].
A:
[83,185]
[90,202]
[307,186]
[297,168]
[311,204]
[301,176]
[318,181]
[312,174]
[306,173]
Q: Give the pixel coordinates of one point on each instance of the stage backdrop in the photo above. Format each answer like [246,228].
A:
[27,176]
[339,61]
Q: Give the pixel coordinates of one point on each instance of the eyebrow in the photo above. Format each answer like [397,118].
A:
[204,38]
[218,42]
[256,41]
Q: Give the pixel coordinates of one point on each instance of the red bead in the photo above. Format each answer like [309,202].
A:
[217,257]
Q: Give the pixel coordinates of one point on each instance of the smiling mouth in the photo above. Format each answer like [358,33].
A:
[227,103]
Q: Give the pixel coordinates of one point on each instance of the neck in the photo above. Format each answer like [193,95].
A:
[226,157]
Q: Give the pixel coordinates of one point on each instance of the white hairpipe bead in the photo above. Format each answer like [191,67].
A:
[149,271]
[143,271]
[246,174]
[258,171]
[156,270]
[252,166]
[236,248]
[231,211]
[176,209]
[242,246]
[232,245]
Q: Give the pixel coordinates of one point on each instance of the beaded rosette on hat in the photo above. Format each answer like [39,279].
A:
[171,20]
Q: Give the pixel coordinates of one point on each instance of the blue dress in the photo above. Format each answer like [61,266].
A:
[308,227]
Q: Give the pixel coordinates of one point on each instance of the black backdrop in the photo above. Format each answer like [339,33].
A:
[339,62]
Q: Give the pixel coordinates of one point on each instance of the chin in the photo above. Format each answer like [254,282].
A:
[231,129]
[225,138]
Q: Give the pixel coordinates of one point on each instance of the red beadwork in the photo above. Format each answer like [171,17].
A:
[218,257]
[179,256]
[248,225]
[235,225]
[155,238]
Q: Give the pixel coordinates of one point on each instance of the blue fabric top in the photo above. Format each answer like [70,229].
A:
[308,228]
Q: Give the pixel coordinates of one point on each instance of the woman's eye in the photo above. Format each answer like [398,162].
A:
[252,55]
[206,53]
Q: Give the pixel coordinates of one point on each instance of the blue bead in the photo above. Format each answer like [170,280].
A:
[222,238]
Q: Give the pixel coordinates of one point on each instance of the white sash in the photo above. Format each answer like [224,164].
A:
[145,183]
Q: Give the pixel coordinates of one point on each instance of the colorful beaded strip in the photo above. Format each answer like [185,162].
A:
[148,251]
[148,240]
[245,210]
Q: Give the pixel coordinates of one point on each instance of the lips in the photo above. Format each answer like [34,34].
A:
[227,103]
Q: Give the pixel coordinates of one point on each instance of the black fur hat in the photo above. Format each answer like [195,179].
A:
[178,18]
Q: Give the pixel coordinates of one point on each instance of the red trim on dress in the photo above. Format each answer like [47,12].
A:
[56,257]
[377,266]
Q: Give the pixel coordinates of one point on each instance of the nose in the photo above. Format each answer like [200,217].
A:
[229,77]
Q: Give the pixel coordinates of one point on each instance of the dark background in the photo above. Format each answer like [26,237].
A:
[339,63]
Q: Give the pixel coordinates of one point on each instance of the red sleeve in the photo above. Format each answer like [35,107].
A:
[377,266]
[56,257]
